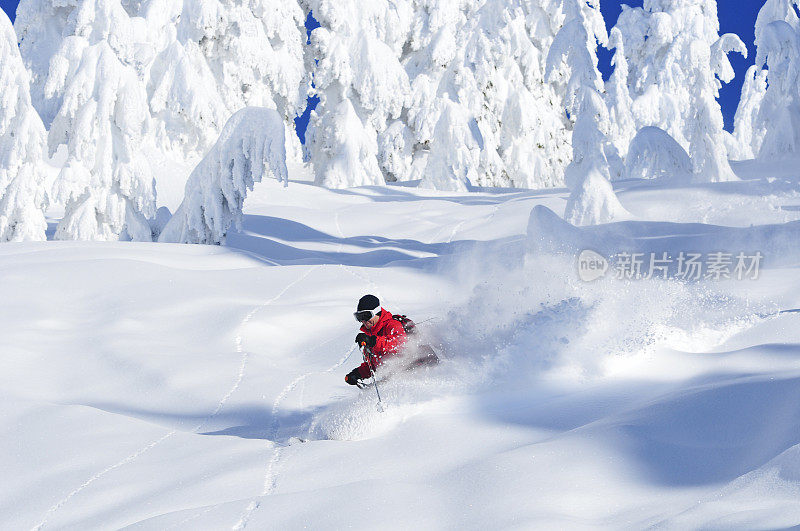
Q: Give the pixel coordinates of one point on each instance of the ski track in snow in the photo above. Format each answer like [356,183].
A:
[455,230]
[99,475]
[457,227]
[179,525]
[271,476]
[339,229]
[240,376]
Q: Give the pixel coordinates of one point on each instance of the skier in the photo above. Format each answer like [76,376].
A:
[382,334]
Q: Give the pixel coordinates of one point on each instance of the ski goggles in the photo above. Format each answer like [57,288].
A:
[366,315]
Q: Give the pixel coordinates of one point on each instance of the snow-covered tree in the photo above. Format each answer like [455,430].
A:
[361,85]
[490,62]
[780,107]
[768,118]
[102,119]
[342,147]
[22,141]
[572,61]
[772,10]
[707,137]
[677,62]
[622,125]
[748,131]
[654,154]
[214,57]
[443,141]
[476,65]
[250,147]
[195,61]
[456,166]
[520,125]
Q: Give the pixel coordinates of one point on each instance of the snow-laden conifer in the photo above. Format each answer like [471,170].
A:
[43,25]
[768,118]
[573,62]
[102,119]
[195,62]
[677,62]
[411,69]
[622,124]
[361,85]
[748,130]
[214,57]
[250,147]
[453,167]
[22,141]
[654,154]
[519,125]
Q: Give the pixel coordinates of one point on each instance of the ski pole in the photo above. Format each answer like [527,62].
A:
[372,373]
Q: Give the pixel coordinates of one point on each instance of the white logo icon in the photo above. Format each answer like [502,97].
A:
[591,265]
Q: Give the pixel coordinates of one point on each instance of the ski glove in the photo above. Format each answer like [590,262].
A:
[363,338]
[352,377]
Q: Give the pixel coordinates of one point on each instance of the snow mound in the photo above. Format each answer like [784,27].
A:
[653,153]
[594,201]
[251,146]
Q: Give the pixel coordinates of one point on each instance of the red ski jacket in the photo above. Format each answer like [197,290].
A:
[389,339]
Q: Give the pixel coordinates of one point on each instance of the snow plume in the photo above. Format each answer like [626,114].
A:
[768,118]
[528,314]
[572,63]
[251,146]
[22,141]
[214,57]
[677,62]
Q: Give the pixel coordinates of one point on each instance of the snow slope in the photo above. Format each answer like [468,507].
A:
[165,386]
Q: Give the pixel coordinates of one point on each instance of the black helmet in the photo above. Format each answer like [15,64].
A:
[368,307]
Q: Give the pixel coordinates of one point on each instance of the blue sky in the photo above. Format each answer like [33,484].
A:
[736,16]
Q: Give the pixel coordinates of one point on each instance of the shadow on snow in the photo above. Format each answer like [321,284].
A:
[281,242]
